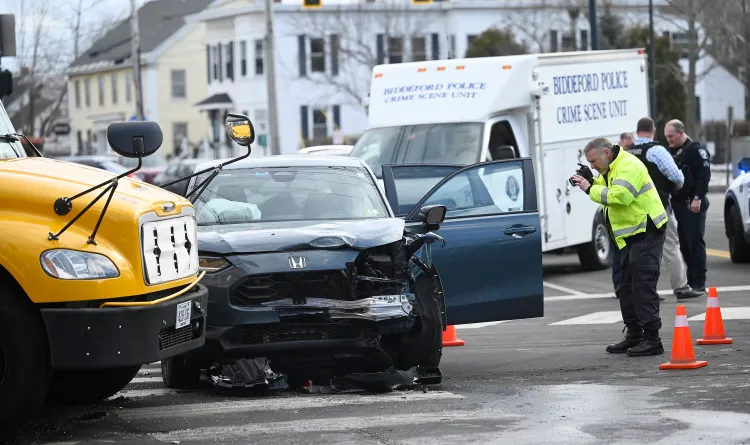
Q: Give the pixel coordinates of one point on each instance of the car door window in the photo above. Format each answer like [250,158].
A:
[413,182]
[486,189]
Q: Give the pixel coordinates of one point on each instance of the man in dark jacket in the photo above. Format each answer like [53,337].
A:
[690,203]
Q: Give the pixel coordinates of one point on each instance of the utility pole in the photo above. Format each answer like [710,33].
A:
[593,26]
[136,58]
[651,58]
[273,125]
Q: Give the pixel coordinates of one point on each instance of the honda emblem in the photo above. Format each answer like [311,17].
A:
[297,262]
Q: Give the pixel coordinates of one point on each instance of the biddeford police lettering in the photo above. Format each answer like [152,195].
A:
[455,90]
[592,83]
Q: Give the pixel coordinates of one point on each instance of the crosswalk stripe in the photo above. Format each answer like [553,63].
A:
[727,313]
[605,317]
[284,403]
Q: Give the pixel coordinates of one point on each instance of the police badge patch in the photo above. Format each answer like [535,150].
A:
[512,188]
[704,153]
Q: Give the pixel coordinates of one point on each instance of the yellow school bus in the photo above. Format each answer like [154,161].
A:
[99,274]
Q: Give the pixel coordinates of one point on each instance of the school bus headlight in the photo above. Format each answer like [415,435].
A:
[75,265]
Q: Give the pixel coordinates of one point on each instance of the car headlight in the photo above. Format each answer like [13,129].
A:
[212,264]
[74,265]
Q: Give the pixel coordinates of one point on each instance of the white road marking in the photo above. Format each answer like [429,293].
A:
[479,325]
[606,317]
[567,290]
[667,292]
[136,393]
[294,403]
[727,313]
[151,379]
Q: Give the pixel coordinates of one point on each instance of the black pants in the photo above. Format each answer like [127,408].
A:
[691,227]
[616,265]
[640,269]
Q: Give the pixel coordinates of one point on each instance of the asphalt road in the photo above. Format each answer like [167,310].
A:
[545,380]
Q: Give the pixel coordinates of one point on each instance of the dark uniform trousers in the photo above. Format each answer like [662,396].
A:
[640,268]
[691,228]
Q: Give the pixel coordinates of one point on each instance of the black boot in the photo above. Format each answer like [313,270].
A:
[651,345]
[632,338]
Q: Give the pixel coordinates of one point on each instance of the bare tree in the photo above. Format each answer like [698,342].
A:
[365,35]
[687,16]
[532,21]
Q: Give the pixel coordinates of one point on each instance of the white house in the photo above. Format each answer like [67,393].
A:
[325,55]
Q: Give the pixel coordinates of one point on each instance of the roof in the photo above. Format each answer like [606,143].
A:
[157,21]
[286,161]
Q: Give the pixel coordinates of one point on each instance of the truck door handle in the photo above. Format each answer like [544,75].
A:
[519,231]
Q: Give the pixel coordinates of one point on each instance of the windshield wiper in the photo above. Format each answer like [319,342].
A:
[14,137]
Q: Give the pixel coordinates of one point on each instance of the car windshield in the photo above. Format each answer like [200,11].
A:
[289,194]
[452,143]
[156,160]
[11,149]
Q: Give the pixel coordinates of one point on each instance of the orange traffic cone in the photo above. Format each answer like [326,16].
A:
[713,328]
[683,355]
[450,338]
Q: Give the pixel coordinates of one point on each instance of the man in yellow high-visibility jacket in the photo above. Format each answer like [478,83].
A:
[636,220]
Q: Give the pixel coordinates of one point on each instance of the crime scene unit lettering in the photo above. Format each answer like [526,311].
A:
[613,81]
[431,91]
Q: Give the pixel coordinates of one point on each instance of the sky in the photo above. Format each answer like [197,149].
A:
[59,19]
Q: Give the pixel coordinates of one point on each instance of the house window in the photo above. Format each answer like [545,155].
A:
[178,84]
[77,89]
[215,62]
[259,56]
[470,38]
[568,42]
[114,89]
[452,46]
[101,90]
[230,60]
[317,55]
[418,49]
[585,39]
[243,58]
[179,131]
[128,86]
[395,50]
[320,124]
[553,41]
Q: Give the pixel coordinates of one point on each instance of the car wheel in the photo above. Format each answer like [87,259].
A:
[739,249]
[180,372]
[84,386]
[597,254]
[24,360]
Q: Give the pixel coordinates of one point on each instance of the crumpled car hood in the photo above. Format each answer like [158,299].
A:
[299,235]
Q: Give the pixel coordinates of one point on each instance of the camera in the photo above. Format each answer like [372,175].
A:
[584,172]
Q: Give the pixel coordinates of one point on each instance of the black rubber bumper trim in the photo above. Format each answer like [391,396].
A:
[124,336]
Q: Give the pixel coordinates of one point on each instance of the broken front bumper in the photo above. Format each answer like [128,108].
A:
[109,337]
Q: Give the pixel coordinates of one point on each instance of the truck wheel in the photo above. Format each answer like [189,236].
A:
[739,249]
[180,372]
[596,255]
[24,360]
[86,386]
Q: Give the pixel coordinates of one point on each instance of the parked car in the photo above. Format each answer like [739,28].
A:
[151,166]
[177,168]
[104,162]
[313,275]
[327,150]
[737,214]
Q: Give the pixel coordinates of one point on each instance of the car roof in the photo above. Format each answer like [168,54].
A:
[87,157]
[287,161]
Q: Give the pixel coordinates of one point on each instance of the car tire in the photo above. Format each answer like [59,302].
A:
[84,386]
[24,359]
[739,249]
[180,372]
[596,255]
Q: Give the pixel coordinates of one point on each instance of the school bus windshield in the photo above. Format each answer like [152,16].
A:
[452,143]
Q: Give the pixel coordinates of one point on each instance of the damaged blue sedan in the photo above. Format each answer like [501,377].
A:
[312,275]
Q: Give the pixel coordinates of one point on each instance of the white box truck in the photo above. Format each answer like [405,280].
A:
[542,106]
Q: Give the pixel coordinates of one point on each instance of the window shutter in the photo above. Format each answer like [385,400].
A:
[230,62]
[334,55]
[584,39]
[208,62]
[435,46]
[381,49]
[337,116]
[220,53]
[303,122]
[302,50]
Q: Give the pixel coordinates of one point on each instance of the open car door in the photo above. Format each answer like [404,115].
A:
[491,265]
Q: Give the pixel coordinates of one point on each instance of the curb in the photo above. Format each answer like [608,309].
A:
[717,189]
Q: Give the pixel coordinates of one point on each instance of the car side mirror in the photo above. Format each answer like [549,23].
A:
[135,139]
[240,129]
[433,215]
[744,165]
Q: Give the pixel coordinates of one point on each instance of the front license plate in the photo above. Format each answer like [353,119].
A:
[183,314]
